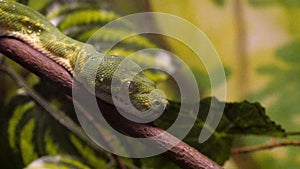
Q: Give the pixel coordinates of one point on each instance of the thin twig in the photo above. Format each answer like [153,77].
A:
[251,149]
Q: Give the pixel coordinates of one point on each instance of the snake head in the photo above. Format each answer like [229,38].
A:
[133,92]
[122,84]
[140,97]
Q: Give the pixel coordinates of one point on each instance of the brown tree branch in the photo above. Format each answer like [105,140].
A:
[251,149]
[182,154]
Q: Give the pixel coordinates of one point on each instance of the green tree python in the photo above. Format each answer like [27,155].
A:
[23,23]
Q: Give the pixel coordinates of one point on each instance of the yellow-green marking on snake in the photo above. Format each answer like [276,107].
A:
[29,26]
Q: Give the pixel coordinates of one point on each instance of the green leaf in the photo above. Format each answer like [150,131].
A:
[284,3]
[219,2]
[87,153]
[262,2]
[85,17]
[157,162]
[238,119]
[38,5]
[57,162]
[112,35]
[250,118]
[290,3]
[282,93]
[290,52]
[33,133]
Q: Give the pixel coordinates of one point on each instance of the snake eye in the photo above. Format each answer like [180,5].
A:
[129,86]
[156,103]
